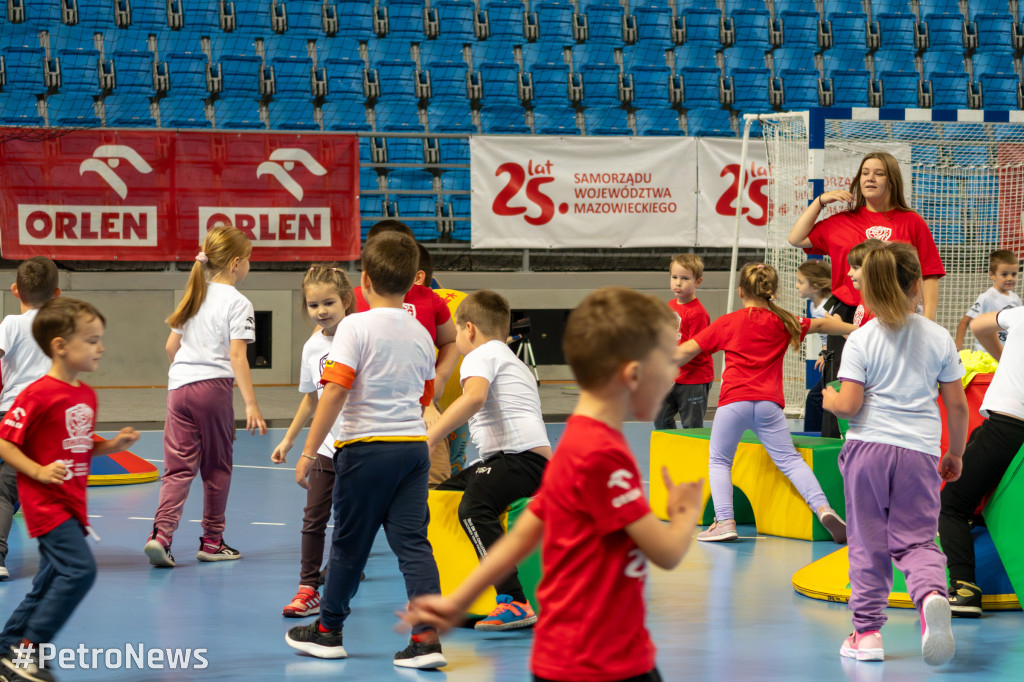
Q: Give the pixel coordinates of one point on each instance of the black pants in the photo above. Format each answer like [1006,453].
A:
[833,358]
[990,449]
[813,414]
[689,401]
[649,676]
[490,487]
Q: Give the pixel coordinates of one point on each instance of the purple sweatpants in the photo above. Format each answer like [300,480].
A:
[765,419]
[198,437]
[892,515]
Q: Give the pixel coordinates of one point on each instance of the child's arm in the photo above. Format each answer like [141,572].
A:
[173,345]
[52,473]
[446,612]
[832,325]
[961,330]
[327,410]
[474,395]
[986,330]
[687,351]
[930,296]
[665,545]
[845,403]
[125,438]
[447,356]
[302,416]
[957,416]
[240,366]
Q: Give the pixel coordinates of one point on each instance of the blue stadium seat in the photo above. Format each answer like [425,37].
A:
[592,52]
[355,18]
[506,19]
[994,30]
[751,88]
[293,75]
[405,19]
[285,46]
[419,206]
[238,112]
[799,88]
[133,70]
[459,206]
[605,23]
[985,6]
[252,17]
[1000,91]
[186,72]
[899,88]
[396,77]
[455,150]
[80,69]
[601,84]
[125,40]
[71,109]
[292,112]
[41,15]
[25,69]
[555,21]
[658,122]
[503,118]
[850,87]
[496,49]
[398,113]
[404,150]
[654,23]
[555,120]
[781,6]
[456,19]
[550,83]
[182,112]
[692,55]
[701,87]
[240,74]
[946,29]
[448,80]
[304,18]
[949,90]
[128,110]
[652,86]
[371,209]
[410,179]
[926,7]
[891,7]
[646,54]
[19,109]
[388,49]
[702,26]
[450,116]
[147,13]
[896,59]
[792,57]
[547,52]
[752,27]
[925,155]
[201,17]
[457,179]
[849,36]
[606,121]
[743,57]
[969,156]
[799,28]
[500,83]
[709,123]
[992,62]
[440,50]
[897,30]
[942,61]
[369,179]
[344,114]
[835,60]
[222,44]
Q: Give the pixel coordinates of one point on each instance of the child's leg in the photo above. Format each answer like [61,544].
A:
[812,408]
[182,450]
[215,418]
[730,422]
[990,449]
[693,404]
[66,572]
[440,464]
[8,498]
[314,519]
[913,524]
[867,470]
[666,417]
[496,484]
[773,431]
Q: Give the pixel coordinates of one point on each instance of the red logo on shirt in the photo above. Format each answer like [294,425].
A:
[879,232]
[410,308]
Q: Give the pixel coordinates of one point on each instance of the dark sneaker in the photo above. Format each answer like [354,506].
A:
[209,551]
[421,655]
[21,662]
[965,599]
[158,549]
[309,639]
[508,615]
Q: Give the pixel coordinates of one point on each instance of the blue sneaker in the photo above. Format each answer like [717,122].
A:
[508,615]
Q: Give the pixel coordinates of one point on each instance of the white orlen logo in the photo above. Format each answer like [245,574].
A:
[14,418]
[289,156]
[79,421]
[620,479]
[113,153]
[879,232]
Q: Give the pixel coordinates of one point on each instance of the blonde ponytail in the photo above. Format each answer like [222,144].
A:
[888,277]
[223,244]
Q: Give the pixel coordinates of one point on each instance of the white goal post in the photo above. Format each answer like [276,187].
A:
[963,171]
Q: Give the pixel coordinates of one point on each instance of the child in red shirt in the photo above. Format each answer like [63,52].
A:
[689,395]
[47,437]
[590,515]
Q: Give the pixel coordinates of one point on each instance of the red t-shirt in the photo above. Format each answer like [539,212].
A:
[692,319]
[421,302]
[755,341]
[836,235]
[591,626]
[53,420]
[861,316]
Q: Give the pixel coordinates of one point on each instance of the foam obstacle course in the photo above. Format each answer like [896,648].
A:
[768,498]
[456,558]
[120,468]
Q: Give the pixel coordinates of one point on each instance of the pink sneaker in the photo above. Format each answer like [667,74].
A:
[937,645]
[864,646]
[719,531]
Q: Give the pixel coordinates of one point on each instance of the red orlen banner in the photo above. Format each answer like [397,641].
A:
[153,195]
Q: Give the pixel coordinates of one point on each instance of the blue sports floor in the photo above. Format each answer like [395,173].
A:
[727,613]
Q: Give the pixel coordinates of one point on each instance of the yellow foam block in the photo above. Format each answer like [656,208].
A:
[778,507]
[453,551]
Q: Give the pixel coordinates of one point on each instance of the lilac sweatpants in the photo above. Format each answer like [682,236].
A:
[198,437]
[892,515]
[767,421]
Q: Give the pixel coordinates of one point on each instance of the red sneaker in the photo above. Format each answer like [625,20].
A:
[306,602]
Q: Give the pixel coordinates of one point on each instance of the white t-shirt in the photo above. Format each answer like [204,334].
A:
[510,419]
[314,357]
[1006,392]
[225,315]
[393,357]
[900,372]
[818,312]
[23,361]
[990,301]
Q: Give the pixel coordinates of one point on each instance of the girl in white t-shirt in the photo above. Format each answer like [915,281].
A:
[210,330]
[328,298]
[892,370]
[814,282]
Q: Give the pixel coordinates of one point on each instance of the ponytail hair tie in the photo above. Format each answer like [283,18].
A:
[760,266]
[202,258]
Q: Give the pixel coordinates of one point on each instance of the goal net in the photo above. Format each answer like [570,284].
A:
[963,171]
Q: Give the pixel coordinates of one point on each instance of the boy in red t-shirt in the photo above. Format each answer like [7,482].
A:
[590,515]
[47,437]
[689,395]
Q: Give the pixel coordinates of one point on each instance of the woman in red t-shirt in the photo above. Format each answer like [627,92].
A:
[879,211]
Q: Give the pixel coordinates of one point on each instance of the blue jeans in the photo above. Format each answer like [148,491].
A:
[66,572]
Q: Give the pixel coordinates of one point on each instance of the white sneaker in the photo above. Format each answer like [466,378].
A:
[4,574]
[937,645]
[833,524]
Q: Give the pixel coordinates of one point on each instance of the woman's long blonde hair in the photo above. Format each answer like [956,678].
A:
[887,282]
[223,244]
[761,281]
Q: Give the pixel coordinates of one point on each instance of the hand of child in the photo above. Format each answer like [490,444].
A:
[254,421]
[828,398]
[280,453]
[302,471]
[430,609]
[950,467]
[683,498]
[430,415]
[819,364]
[125,438]
[53,473]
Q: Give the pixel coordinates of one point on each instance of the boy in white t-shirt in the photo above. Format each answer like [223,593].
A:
[500,400]
[1002,270]
[22,361]
[378,377]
